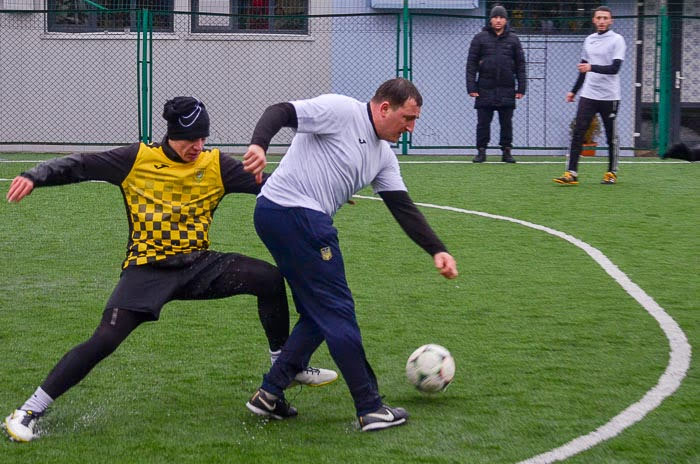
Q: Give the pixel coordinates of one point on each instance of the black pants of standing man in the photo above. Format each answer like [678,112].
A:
[483,126]
[483,131]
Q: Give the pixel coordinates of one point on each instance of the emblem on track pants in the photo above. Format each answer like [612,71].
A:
[326,254]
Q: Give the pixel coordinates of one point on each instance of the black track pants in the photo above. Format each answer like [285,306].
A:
[587,109]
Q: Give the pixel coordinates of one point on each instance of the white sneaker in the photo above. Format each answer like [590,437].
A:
[315,377]
[20,425]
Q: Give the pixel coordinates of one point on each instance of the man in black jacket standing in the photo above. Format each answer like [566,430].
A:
[497,57]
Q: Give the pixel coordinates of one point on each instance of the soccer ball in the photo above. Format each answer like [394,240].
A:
[430,368]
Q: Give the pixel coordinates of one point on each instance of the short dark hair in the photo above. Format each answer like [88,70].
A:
[396,92]
[602,8]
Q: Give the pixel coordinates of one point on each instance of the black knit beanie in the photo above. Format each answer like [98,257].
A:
[498,11]
[187,118]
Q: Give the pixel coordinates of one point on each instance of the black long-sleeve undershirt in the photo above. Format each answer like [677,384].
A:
[274,118]
[412,221]
[613,68]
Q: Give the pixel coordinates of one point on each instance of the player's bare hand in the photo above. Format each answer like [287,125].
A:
[570,97]
[19,188]
[254,161]
[519,96]
[446,264]
[473,94]
[583,67]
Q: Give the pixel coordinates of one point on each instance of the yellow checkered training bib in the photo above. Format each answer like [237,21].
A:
[170,204]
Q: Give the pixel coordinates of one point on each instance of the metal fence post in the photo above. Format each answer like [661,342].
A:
[144,53]
[664,108]
[405,70]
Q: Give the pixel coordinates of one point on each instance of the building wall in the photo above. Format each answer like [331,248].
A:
[439,51]
[54,84]
[83,87]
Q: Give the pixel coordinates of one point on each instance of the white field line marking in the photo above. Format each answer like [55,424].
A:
[669,381]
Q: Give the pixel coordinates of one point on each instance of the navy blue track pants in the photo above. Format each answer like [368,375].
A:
[305,247]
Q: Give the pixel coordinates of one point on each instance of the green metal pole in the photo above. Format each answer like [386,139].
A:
[405,40]
[144,77]
[96,5]
[150,78]
[404,74]
[655,104]
[398,45]
[410,47]
[665,82]
[138,74]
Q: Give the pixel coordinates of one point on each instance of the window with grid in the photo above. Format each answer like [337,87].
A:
[117,15]
[564,17]
[250,16]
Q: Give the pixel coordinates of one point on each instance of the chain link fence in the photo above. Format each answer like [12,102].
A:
[238,77]
[62,87]
[542,118]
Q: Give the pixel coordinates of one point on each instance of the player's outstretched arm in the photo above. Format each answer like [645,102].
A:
[19,188]
[110,166]
[446,264]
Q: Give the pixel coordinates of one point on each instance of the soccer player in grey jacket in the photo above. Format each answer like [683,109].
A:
[599,81]
[340,147]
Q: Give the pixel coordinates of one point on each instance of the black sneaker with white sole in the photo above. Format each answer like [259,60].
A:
[382,418]
[266,404]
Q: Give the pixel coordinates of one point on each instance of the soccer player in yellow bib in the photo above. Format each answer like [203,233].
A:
[171,190]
